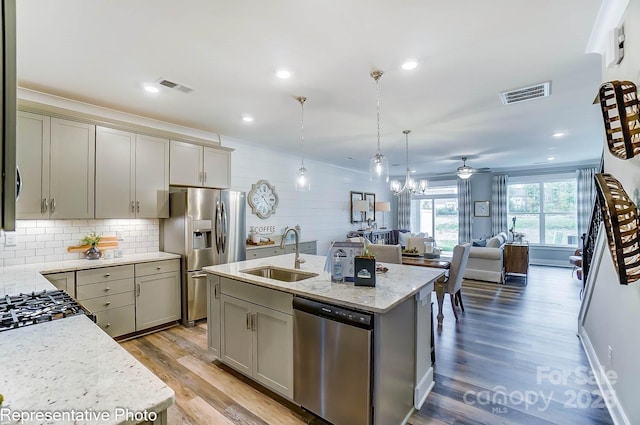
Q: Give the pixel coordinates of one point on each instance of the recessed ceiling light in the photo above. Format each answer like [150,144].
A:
[151,88]
[551,158]
[283,74]
[559,134]
[409,65]
[247,118]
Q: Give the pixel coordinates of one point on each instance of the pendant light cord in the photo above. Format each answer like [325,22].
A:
[302,99]
[378,110]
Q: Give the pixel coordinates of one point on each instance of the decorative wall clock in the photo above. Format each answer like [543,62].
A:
[263,199]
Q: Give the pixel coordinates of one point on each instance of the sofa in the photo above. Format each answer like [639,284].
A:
[486,262]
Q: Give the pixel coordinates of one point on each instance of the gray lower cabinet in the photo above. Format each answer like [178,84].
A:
[63,280]
[108,292]
[213,314]
[309,247]
[256,333]
[157,293]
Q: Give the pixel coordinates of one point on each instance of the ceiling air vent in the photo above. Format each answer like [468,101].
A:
[526,93]
[175,86]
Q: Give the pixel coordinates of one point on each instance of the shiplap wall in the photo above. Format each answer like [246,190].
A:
[324,212]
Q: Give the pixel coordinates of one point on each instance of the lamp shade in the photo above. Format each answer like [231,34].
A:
[360,206]
[383,206]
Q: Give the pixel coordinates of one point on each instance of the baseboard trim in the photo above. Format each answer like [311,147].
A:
[606,389]
[550,263]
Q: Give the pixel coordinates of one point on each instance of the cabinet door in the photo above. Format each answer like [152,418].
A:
[236,336]
[157,300]
[273,349]
[64,280]
[152,177]
[185,164]
[114,173]
[72,173]
[32,156]
[213,316]
[217,168]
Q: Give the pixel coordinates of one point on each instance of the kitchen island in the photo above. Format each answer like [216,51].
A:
[68,371]
[251,326]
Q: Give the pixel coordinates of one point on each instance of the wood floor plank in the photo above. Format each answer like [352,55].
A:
[501,343]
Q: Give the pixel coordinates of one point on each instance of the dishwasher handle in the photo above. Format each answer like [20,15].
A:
[334,312]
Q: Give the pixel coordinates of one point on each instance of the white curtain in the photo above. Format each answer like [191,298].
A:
[404,211]
[464,210]
[586,195]
[499,204]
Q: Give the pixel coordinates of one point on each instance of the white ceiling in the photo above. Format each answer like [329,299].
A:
[101,51]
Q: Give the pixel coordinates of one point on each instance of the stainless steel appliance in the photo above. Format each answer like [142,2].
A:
[17,311]
[332,362]
[206,227]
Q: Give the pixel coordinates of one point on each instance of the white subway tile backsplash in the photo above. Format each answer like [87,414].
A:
[47,240]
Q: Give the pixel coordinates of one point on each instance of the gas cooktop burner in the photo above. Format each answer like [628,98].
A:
[21,310]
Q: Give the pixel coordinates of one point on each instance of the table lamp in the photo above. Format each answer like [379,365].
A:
[363,207]
[383,207]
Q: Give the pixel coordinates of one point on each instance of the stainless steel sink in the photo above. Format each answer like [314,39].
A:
[276,273]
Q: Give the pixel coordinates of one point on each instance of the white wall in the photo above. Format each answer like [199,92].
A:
[614,310]
[323,213]
[481,191]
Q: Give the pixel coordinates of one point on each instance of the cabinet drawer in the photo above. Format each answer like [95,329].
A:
[154,267]
[95,290]
[85,277]
[117,321]
[264,252]
[305,248]
[109,302]
[266,297]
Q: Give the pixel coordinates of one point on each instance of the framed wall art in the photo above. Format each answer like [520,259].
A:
[481,209]
[356,216]
[371,212]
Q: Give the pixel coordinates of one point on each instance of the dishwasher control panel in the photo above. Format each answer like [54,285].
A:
[333,312]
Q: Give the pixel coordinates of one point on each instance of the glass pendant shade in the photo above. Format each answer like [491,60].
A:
[379,164]
[464,172]
[302,179]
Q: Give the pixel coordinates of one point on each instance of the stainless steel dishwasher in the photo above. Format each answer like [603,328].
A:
[332,361]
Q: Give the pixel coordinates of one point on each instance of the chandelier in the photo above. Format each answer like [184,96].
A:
[378,165]
[302,180]
[410,185]
[464,171]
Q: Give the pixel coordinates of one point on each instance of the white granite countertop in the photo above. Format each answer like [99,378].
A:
[275,244]
[28,277]
[396,285]
[71,364]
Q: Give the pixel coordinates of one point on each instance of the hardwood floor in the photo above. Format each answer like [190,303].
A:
[515,340]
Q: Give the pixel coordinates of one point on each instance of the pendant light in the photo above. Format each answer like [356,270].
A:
[410,184]
[302,180]
[378,165]
[464,172]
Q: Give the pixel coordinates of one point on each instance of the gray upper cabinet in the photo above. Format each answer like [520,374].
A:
[200,166]
[132,175]
[56,159]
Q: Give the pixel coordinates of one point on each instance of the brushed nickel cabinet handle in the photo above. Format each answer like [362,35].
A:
[137,206]
[107,325]
[52,205]
[133,208]
[107,289]
[138,288]
[44,205]
[107,303]
[249,321]
[107,275]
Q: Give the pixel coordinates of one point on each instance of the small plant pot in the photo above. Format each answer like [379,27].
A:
[93,253]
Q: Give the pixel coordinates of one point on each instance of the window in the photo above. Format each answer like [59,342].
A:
[436,213]
[545,209]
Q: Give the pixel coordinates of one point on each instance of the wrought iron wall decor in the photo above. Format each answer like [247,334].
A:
[621,222]
[621,114]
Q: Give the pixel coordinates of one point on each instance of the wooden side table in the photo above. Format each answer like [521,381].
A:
[516,259]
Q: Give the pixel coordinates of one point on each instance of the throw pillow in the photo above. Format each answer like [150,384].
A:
[403,238]
[482,243]
[494,243]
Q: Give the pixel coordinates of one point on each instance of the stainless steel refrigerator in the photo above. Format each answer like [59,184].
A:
[206,227]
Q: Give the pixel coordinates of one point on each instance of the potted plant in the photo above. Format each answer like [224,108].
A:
[92,239]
